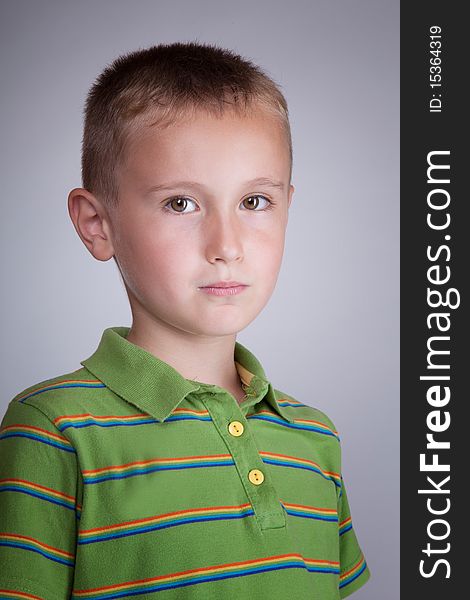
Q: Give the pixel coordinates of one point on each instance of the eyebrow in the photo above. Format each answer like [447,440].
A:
[264,181]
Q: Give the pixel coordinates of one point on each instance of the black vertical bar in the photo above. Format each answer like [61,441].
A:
[435,269]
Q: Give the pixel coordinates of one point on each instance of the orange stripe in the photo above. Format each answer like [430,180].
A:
[316,423]
[155,460]
[303,460]
[177,512]
[19,594]
[328,510]
[45,387]
[41,487]
[344,575]
[33,428]
[42,544]
[191,410]
[136,416]
[100,417]
[202,570]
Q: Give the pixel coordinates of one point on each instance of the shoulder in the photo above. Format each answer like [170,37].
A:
[57,395]
[300,411]
[314,435]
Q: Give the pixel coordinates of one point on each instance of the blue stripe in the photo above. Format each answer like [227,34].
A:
[355,576]
[89,480]
[309,516]
[205,578]
[60,387]
[23,547]
[188,418]
[294,425]
[38,439]
[13,488]
[295,466]
[164,526]
[107,424]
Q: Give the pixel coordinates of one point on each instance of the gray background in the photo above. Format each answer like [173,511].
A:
[330,334]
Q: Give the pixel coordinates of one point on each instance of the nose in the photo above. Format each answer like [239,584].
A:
[223,238]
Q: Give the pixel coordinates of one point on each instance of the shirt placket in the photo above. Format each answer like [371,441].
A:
[233,427]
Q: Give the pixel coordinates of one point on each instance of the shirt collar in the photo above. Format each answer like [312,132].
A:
[156,387]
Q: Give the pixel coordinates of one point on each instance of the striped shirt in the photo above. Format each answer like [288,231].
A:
[124,479]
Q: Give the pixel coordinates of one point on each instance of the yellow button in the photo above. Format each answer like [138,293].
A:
[236,428]
[256,476]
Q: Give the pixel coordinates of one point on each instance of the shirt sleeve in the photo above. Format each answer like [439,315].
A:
[354,571]
[38,506]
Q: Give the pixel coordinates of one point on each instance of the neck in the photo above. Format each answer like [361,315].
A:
[206,359]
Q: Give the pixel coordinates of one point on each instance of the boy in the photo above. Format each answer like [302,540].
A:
[168,464]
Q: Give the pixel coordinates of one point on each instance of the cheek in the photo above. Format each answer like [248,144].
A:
[159,260]
[267,249]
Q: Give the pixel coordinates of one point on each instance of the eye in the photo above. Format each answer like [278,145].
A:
[253,202]
[178,204]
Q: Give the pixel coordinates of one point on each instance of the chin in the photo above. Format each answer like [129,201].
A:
[221,327]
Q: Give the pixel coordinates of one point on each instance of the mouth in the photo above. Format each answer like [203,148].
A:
[223,284]
[224,288]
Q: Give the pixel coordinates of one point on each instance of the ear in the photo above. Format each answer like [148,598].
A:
[291,192]
[91,222]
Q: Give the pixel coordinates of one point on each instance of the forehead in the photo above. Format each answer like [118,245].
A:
[199,143]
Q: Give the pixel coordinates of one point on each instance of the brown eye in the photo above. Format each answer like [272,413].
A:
[178,204]
[253,202]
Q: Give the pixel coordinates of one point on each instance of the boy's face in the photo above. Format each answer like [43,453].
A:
[222,228]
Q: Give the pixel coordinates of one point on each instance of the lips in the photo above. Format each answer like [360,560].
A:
[224,288]
[223,284]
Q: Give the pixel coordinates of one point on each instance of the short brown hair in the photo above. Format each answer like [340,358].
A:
[166,82]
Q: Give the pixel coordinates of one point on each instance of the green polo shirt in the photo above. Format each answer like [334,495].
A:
[124,479]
